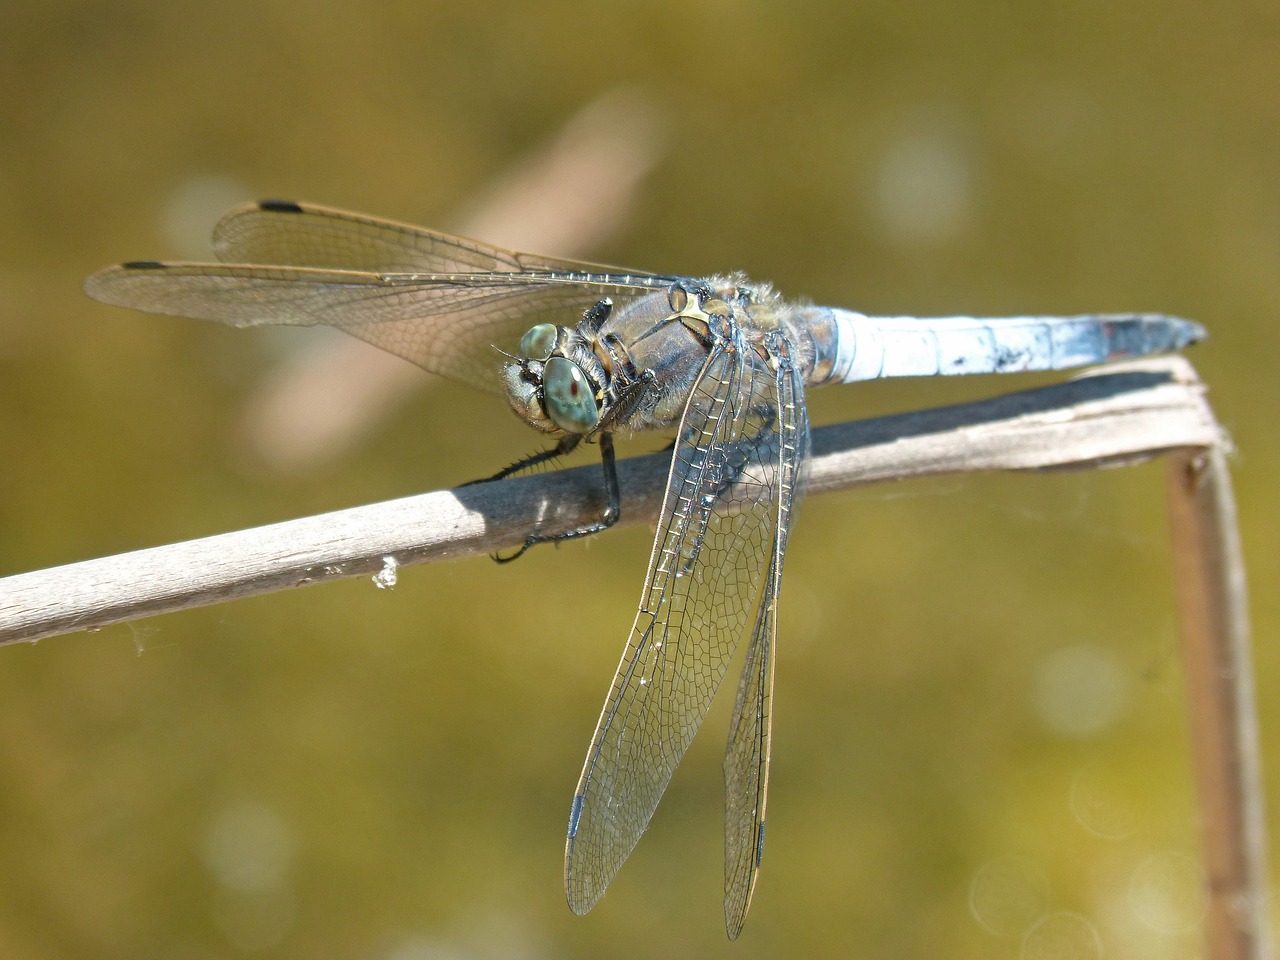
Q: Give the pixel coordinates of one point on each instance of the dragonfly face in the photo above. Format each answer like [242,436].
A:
[557,384]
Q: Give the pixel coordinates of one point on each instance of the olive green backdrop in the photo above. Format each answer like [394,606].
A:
[980,740]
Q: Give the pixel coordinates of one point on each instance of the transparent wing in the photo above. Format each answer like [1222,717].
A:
[446,323]
[286,233]
[709,556]
[746,762]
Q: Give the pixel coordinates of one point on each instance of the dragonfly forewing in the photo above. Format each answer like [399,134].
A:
[450,324]
[710,553]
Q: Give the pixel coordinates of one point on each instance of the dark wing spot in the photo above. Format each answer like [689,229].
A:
[280,206]
[143,265]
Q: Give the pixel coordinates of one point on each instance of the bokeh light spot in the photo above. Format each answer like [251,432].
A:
[1007,894]
[1062,936]
[1080,691]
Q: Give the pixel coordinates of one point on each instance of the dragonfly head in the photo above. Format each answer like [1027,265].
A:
[556,383]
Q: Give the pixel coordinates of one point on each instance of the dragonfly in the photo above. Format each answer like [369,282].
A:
[581,352]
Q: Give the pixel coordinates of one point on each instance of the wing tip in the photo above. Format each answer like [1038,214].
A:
[735,910]
[581,892]
[101,284]
[580,897]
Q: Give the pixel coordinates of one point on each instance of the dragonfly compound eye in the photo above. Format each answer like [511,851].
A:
[538,342]
[569,400]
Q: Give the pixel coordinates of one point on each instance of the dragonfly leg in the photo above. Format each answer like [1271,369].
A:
[595,316]
[565,446]
[629,398]
[612,510]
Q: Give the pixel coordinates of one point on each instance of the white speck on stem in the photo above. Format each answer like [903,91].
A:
[385,578]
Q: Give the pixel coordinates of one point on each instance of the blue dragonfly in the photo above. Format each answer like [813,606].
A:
[581,352]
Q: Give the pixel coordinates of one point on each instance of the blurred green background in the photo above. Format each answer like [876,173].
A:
[980,741]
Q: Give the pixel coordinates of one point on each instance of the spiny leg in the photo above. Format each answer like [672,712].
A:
[566,445]
[612,510]
[595,316]
[629,399]
[627,402]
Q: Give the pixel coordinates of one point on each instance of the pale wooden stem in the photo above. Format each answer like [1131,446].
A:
[1135,411]
[1214,618]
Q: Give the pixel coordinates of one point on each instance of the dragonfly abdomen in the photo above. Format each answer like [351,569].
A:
[867,348]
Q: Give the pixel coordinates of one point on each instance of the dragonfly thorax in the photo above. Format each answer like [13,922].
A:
[628,367]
